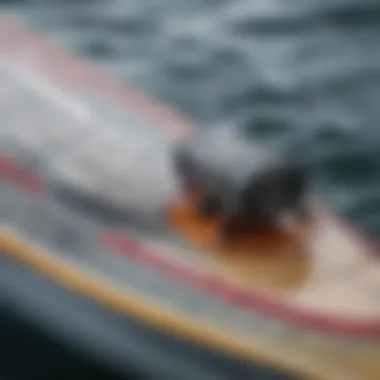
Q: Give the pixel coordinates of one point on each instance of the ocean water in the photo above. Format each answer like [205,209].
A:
[302,72]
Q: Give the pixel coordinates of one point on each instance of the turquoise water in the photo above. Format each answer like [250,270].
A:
[304,72]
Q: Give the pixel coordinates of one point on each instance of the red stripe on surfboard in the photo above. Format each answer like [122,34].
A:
[238,296]
[17,174]
[34,51]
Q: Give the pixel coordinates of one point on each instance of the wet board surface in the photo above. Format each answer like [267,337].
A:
[89,141]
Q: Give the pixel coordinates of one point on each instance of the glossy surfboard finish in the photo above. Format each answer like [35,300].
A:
[88,198]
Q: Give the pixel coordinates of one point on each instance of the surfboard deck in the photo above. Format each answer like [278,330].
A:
[87,186]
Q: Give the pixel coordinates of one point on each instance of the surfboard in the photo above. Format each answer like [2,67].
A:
[89,200]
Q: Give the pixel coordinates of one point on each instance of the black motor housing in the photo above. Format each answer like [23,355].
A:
[239,178]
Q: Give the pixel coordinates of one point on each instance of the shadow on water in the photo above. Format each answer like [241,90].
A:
[50,361]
